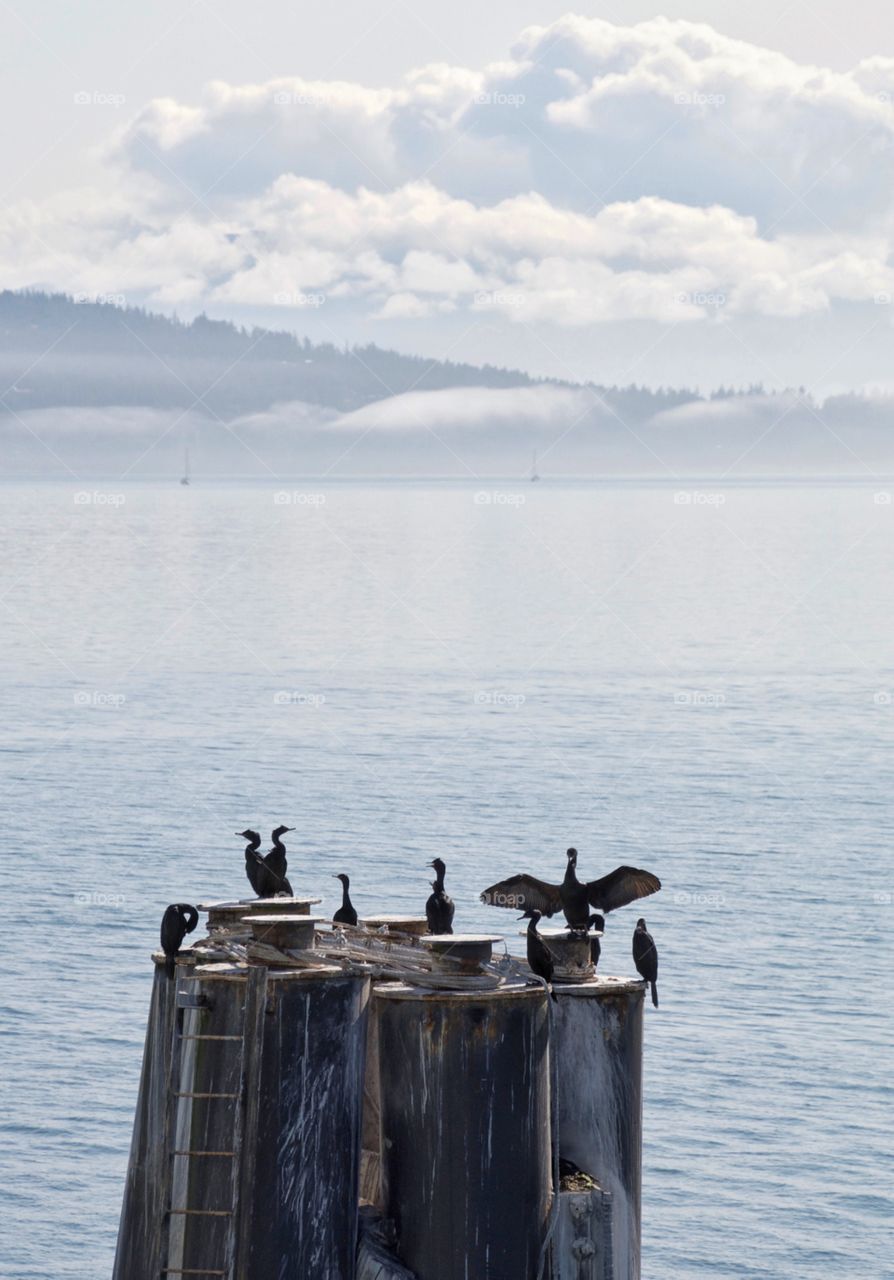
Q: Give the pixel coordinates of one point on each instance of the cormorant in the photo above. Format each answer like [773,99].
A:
[254,863]
[178,920]
[439,908]
[574,897]
[597,923]
[645,957]
[346,914]
[540,958]
[277,865]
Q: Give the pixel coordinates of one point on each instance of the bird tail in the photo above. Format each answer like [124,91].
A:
[654,986]
[170,966]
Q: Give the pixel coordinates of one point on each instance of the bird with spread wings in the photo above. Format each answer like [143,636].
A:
[573,896]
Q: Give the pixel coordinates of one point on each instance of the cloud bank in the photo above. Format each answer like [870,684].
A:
[600,174]
[464,433]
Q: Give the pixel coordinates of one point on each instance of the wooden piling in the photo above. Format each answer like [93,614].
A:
[138,1256]
[246,1157]
[246,1150]
[599,1057]
[466,1169]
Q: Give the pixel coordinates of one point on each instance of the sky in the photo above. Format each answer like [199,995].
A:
[697,194]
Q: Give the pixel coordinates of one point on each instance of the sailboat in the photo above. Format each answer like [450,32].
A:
[535,474]
[184,479]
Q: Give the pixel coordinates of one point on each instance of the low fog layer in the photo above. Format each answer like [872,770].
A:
[102,390]
[430,433]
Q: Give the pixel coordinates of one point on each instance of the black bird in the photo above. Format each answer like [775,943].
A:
[178,920]
[645,957]
[596,923]
[277,864]
[254,863]
[573,896]
[439,908]
[540,958]
[346,914]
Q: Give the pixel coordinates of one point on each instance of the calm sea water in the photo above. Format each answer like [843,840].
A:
[701,685]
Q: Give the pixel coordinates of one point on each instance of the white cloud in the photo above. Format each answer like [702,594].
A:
[661,172]
[585,112]
[417,252]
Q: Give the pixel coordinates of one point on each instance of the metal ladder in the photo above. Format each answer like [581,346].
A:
[244,1132]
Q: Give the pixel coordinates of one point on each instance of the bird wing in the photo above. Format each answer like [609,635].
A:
[171,930]
[623,885]
[524,893]
[277,873]
[644,950]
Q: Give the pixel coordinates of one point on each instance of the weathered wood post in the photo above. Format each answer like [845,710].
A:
[305,1186]
[144,1203]
[465,1128]
[397,927]
[246,1150]
[599,1054]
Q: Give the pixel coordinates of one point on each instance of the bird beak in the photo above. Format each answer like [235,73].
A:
[290,829]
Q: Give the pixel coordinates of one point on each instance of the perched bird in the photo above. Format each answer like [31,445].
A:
[645,957]
[597,923]
[540,958]
[573,896]
[277,865]
[254,863]
[439,908]
[346,914]
[178,920]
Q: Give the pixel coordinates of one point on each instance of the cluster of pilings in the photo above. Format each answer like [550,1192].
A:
[369,1104]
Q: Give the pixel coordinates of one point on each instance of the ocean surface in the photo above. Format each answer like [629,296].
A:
[697,679]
